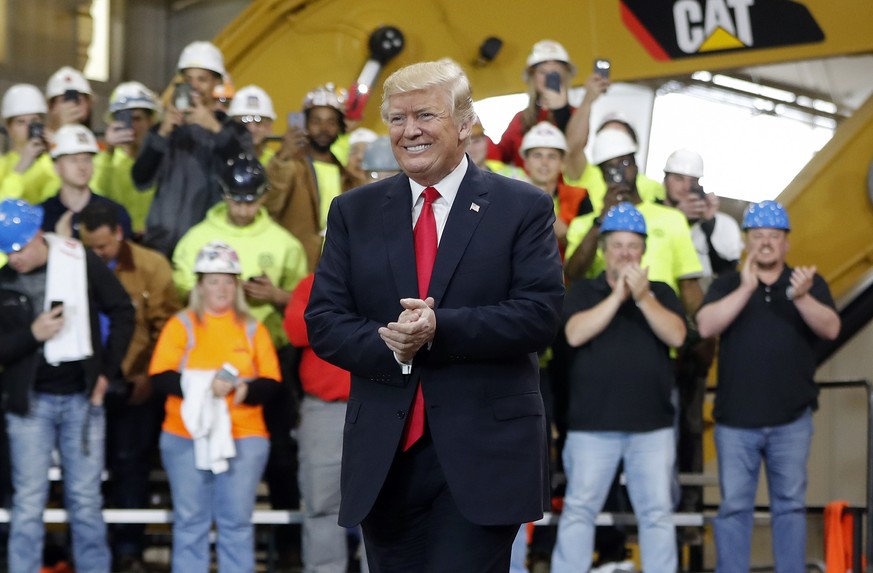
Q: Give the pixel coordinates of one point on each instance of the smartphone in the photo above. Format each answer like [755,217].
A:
[297,119]
[228,372]
[125,116]
[553,81]
[182,97]
[71,95]
[602,67]
[57,303]
[35,129]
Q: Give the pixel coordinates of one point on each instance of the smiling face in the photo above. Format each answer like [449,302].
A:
[543,165]
[769,247]
[426,141]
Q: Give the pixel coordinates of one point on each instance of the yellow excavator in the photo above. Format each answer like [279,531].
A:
[289,46]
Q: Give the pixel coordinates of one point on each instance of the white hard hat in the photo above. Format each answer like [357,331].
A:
[685,162]
[65,79]
[203,55]
[71,139]
[326,96]
[22,99]
[548,51]
[251,100]
[611,143]
[132,95]
[362,135]
[217,257]
[544,134]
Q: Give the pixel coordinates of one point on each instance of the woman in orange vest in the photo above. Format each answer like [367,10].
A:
[217,366]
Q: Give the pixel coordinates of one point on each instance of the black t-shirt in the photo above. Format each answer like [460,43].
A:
[621,379]
[53,209]
[766,360]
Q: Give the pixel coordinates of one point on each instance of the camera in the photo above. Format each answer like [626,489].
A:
[71,95]
[697,189]
[615,175]
[35,129]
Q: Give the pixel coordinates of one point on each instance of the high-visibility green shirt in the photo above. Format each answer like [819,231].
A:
[263,247]
[649,190]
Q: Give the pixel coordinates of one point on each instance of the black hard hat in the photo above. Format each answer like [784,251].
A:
[243,179]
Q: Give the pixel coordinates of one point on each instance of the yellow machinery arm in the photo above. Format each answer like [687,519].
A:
[290,46]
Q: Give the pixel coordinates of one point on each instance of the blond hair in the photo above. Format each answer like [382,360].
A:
[445,74]
[240,306]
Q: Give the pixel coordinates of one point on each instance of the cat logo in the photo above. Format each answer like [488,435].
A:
[675,29]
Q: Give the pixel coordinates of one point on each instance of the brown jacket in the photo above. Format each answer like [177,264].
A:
[148,279]
[293,201]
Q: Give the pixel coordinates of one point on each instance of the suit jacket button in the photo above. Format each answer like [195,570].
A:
[401,414]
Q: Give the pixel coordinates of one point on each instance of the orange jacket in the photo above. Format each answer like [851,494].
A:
[218,339]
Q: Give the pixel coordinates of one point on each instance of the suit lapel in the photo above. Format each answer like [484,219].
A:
[397,230]
[467,211]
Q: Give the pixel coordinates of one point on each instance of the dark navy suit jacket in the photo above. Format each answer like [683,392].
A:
[498,287]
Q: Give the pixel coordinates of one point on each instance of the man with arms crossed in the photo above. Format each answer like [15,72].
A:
[436,289]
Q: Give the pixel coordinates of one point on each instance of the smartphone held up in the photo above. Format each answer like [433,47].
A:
[602,68]
[553,81]
[182,97]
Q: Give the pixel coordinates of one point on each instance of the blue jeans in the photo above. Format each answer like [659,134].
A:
[590,462]
[518,557]
[57,420]
[201,497]
[740,451]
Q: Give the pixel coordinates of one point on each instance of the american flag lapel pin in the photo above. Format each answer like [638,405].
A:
[474,207]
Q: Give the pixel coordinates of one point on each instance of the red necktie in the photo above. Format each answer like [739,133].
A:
[425,237]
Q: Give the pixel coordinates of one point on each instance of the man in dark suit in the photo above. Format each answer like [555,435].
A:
[444,452]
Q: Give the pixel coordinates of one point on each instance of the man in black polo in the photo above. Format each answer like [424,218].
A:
[621,377]
[769,316]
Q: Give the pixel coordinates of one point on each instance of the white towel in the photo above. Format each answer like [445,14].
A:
[66,280]
[207,419]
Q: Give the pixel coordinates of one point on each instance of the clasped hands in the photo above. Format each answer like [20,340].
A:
[414,328]
[633,281]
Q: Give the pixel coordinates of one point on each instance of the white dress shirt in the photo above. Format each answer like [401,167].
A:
[448,190]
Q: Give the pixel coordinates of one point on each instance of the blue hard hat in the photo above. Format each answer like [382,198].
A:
[766,215]
[623,217]
[19,222]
